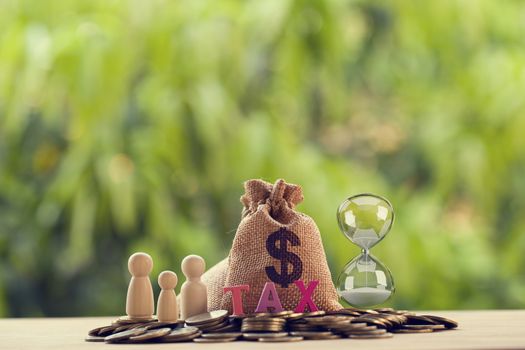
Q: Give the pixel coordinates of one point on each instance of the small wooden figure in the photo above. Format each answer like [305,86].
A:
[193,293]
[167,309]
[139,301]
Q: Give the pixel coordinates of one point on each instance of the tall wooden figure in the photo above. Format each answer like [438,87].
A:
[139,302]
[193,293]
[167,309]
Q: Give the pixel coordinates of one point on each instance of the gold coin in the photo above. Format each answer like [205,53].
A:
[305,329]
[370,332]
[392,319]
[124,327]
[280,339]
[351,326]
[177,335]
[138,325]
[377,320]
[222,335]
[406,330]
[105,331]
[328,320]
[447,322]
[264,319]
[371,321]
[314,313]
[214,340]
[343,312]
[325,337]
[94,338]
[423,326]
[182,332]
[241,317]
[405,312]
[261,329]
[151,334]
[172,325]
[256,336]
[211,323]
[263,324]
[273,314]
[371,336]
[370,311]
[124,335]
[127,319]
[94,331]
[269,328]
[384,309]
[414,319]
[207,317]
[311,329]
[296,316]
[307,334]
[397,319]
[214,327]
[226,329]
[362,329]
[350,309]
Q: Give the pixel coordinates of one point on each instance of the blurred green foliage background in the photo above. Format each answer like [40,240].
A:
[131,125]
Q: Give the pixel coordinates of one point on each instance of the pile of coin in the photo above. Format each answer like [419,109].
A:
[214,321]
[286,326]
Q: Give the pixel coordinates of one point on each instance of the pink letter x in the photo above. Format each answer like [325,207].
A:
[307,296]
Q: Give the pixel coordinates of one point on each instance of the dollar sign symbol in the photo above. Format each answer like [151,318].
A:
[283,236]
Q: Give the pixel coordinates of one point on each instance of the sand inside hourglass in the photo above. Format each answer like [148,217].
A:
[365,296]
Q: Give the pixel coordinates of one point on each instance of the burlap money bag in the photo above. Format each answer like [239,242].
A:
[273,243]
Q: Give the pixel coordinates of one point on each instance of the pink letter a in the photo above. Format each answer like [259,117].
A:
[265,303]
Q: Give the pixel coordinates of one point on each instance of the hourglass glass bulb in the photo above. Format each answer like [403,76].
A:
[365,281]
[365,219]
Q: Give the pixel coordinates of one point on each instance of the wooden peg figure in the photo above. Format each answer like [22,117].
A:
[139,301]
[193,293]
[167,309]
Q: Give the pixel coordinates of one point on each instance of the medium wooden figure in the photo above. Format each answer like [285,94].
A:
[139,301]
[193,293]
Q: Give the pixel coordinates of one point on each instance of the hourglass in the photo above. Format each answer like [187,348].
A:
[365,219]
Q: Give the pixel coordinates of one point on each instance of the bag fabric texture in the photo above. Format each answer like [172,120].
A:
[273,243]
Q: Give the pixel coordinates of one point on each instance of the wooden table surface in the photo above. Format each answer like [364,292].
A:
[496,329]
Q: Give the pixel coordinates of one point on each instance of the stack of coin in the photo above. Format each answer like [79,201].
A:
[286,326]
[214,321]
[298,322]
[263,324]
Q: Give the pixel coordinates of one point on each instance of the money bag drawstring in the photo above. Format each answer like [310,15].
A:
[276,200]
